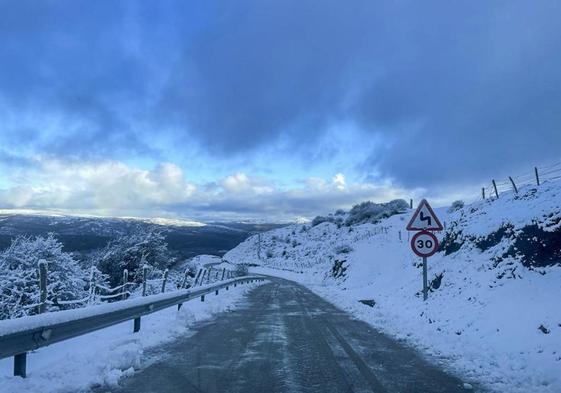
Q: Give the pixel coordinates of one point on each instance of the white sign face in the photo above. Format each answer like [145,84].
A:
[424,244]
[424,219]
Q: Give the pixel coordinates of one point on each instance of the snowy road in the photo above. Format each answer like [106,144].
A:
[287,339]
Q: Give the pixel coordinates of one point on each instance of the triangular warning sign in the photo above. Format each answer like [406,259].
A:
[424,219]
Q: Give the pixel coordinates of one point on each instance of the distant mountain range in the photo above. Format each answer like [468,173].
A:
[84,234]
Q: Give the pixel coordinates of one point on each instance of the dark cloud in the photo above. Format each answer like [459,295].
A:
[463,89]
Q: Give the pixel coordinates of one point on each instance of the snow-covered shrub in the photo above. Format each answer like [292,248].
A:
[19,279]
[338,220]
[241,270]
[456,205]
[370,212]
[146,246]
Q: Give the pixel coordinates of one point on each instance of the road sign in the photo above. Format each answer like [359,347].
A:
[424,219]
[424,244]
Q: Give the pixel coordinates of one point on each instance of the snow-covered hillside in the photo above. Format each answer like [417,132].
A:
[493,311]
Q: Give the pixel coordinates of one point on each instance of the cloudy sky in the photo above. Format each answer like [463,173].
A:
[271,109]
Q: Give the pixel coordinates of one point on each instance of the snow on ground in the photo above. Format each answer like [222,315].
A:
[105,356]
[491,318]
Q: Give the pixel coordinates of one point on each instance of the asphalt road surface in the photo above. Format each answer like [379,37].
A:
[287,339]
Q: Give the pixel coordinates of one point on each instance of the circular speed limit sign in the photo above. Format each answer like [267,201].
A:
[424,243]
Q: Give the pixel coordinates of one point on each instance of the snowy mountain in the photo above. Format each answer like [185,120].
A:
[83,234]
[493,310]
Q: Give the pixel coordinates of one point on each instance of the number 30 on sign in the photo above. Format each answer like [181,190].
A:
[424,244]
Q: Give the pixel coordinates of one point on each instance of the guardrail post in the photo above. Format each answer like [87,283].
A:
[166,272]
[202,298]
[43,286]
[20,365]
[136,327]
[216,293]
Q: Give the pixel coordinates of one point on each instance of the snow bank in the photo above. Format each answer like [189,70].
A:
[493,312]
[105,356]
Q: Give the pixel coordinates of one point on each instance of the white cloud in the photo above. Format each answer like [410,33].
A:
[115,188]
[108,186]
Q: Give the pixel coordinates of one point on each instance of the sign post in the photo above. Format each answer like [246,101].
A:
[424,243]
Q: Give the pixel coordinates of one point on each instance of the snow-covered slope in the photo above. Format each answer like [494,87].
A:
[493,312]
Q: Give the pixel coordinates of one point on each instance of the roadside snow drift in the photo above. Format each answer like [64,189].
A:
[493,312]
[103,357]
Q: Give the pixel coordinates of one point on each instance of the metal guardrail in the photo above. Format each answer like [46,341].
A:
[18,343]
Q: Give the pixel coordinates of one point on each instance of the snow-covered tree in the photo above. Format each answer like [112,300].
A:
[19,275]
[143,246]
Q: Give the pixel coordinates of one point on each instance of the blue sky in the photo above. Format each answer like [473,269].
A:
[270,110]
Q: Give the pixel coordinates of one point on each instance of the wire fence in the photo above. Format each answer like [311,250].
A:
[101,293]
[532,177]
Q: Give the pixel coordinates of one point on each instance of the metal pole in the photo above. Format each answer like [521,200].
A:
[425,285]
[411,203]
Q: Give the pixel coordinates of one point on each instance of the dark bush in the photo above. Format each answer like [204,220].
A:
[370,212]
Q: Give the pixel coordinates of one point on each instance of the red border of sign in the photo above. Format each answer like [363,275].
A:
[414,238]
[424,202]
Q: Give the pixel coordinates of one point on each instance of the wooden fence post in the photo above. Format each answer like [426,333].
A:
[165,280]
[513,185]
[216,276]
[223,273]
[537,176]
[92,285]
[43,286]
[184,283]
[197,276]
[124,288]
[483,192]
[144,278]
[495,187]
